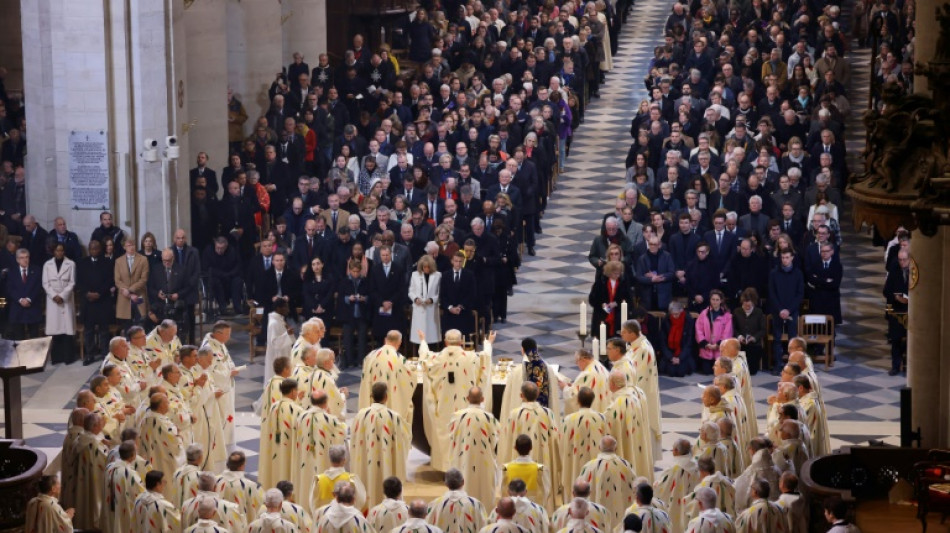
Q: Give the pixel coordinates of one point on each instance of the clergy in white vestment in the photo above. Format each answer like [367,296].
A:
[579,509]
[643,356]
[380,444]
[387,365]
[761,467]
[344,516]
[580,435]
[710,447]
[392,512]
[790,453]
[290,511]
[674,483]
[160,442]
[44,514]
[145,364]
[652,518]
[815,417]
[132,385]
[90,460]
[597,514]
[416,522]
[785,392]
[447,378]
[206,399]
[455,511]
[271,521]
[234,486]
[179,406]
[798,353]
[528,514]
[280,337]
[619,360]
[730,349]
[162,342]
[540,426]
[279,437]
[121,487]
[323,485]
[311,332]
[593,375]
[793,504]
[734,461]
[762,515]
[223,372]
[611,480]
[303,373]
[710,478]
[627,422]
[205,521]
[726,383]
[109,406]
[280,370]
[68,458]
[183,483]
[709,519]
[535,370]
[317,431]
[225,514]
[153,513]
[324,378]
[505,513]
[473,439]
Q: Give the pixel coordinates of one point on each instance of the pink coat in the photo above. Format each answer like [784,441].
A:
[712,333]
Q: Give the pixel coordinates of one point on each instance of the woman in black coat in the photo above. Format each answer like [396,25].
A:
[505,277]
[605,298]
[702,276]
[748,325]
[318,289]
[677,356]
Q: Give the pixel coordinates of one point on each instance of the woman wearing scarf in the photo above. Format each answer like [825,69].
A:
[606,296]
[676,348]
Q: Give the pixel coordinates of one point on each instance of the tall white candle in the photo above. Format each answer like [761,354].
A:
[623,311]
[595,348]
[603,335]
[583,325]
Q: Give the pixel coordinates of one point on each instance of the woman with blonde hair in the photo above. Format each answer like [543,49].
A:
[424,295]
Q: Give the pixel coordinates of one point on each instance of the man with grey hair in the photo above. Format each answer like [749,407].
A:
[24,292]
[417,520]
[344,515]
[209,505]
[597,515]
[709,447]
[677,481]
[184,483]
[455,509]
[713,479]
[611,480]
[597,256]
[628,422]
[271,521]
[710,519]
[323,485]
[323,377]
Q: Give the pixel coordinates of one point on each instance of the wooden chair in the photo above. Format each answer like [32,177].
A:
[930,486]
[256,322]
[819,329]
[660,315]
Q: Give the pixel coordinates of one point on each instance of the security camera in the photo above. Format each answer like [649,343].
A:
[150,144]
[171,147]
[150,154]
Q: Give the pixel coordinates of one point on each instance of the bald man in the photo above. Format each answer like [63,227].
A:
[611,480]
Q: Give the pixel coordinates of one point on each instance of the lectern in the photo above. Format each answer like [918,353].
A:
[19,359]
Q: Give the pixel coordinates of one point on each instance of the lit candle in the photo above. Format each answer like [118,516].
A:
[623,311]
[583,328]
[603,335]
[595,348]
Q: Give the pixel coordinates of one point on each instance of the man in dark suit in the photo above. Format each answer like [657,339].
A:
[95,287]
[722,244]
[388,295]
[506,186]
[167,290]
[895,292]
[382,223]
[278,283]
[24,292]
[525,178]
[276,178]
[655,273]
[824,283]
[458,297]
[237,221]
[682,248]
[405,185]
[353,312]
[786,291]
[222,271]
[308,246]
[202,170]
[791,225]
[187,258]
[435,204]
[70,240]
[34,240]
[725,198]
[487,256]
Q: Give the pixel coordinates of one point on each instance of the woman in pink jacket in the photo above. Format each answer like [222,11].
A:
[712,327]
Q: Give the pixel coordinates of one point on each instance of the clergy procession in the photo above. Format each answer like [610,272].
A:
[151,448]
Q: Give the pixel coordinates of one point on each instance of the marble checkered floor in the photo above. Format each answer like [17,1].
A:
[862,400]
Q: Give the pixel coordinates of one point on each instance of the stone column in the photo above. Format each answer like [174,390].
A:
[925,42]
[255,48]
[928,366]
[11,48]
[306,29]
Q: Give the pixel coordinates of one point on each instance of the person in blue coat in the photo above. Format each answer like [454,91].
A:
[655,273]
[677,339]
[786,290]
[24,293]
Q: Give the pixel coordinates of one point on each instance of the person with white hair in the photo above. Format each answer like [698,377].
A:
[713,479]
[628,423]
[208,400]
[323,486]
[205,522]
[159,438]
[344,516]
[223,371]
[448,376]
[677,481]
[726,383]
[709,446]
[710,519]
[593,375]
[611,479]
[311,333]
[271,520]
[163,342]
[210,509]
[323,378]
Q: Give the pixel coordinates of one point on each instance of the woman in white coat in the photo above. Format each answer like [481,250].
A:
[59,280]
[424,295]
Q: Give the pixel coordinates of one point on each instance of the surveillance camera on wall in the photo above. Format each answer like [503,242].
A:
[150,155]
[171,147]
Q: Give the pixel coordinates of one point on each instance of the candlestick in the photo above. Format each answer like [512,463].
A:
[603,335]
[583,325]
[623,311]
[595,349]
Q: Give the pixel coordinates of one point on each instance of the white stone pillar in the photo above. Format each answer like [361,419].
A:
[254,53]
[305,29]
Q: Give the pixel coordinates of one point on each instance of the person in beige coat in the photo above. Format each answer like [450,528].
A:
[131,276]
[59,280]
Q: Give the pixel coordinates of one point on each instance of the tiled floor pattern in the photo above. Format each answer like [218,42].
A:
[862,400]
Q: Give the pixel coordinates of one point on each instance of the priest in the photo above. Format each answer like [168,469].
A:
[145,365]
[163,343]
[532,517]
[791,453]
[122,486]
[448,376]
[223,373]
[311,332]
[324,378]
[593,375]
[392,512]
[539,424]
[317,431]
[815,417]
[225,514]
[580,435]
[380,444]
[206,400]
[132,386]
[710,478]
[345,516]
[178,405]
[579,509]
[535,480]
[90,461]
[645,508]
[726,383]
[641,353]
[387,365]
[455,510]
[184,483]
[596,515]
[417,520]
[762,514]
[153,513]
[619,360]
[68,457]
[627,423]
[761,467]
[43,513]
[532,369]
[109,406]
[505,514]
[280,336]
[710,519]
[677,481]
[161,443]
[278,437]
[710,447]
[303,372]
[473,439]
[611,480]
[271,521]
[279,371]
[323,486]
[730,349]
[233,486]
